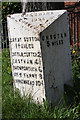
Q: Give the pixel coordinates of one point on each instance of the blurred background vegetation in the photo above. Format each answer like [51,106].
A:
[10,8]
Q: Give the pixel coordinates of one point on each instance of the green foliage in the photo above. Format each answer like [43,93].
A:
[73,93]
[6,65]
[16,107]
[10,8]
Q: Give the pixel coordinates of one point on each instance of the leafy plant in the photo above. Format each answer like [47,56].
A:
[10,8]
[6,66]
[73,93]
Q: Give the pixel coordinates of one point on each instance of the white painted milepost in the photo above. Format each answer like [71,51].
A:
[40,53]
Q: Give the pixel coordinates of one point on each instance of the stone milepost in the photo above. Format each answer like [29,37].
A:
[40,53]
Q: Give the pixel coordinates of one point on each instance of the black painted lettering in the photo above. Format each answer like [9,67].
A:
[31,62]
[16,74]
[51,37]
[58,35]
[62,41]
[25,39]
[39,68]
[47,37]
[39,54]
[43,38]
[61,35]
[54,36]
[36,61]
[20,74]
[39,83]
[52,43]
[48,44]
[64,34]
[40,75]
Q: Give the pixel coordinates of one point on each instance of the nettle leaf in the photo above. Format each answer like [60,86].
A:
[78,75]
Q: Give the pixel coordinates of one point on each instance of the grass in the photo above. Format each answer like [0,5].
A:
[17,107]
[0,85]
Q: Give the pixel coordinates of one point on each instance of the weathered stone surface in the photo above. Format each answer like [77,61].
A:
[40,53]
